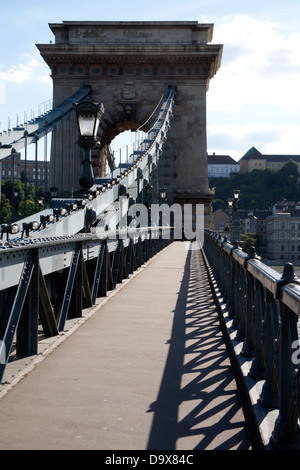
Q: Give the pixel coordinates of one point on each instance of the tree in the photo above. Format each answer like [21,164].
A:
[290,168]
[8,187]
[30,208]
[6,210]
[248,239]
[219,204]
[260,189]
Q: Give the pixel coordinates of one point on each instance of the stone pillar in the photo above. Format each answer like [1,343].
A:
[128,65]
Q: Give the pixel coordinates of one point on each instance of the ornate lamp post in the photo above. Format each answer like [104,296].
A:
[236,221]
[230,206]
[88,119]
[163,194]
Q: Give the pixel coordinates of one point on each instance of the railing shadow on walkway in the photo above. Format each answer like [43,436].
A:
[197,397]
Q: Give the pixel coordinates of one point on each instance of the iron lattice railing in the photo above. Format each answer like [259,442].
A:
[264,308]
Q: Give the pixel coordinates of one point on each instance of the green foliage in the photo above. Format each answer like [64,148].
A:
[249,239]
[29,206]
[6,209]
[259,189]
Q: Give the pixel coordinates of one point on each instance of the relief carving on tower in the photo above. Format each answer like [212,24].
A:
[129,97]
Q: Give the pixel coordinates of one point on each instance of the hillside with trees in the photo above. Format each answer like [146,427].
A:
[260,189]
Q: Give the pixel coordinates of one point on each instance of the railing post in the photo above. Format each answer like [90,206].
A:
[286,433]
[230,303]
[258,364]
[234,289]
[76,304]
[227,278]
[239,297]
[241,330]
[224,272]
[286,430]
[269,393]
[27,331]
[248,344]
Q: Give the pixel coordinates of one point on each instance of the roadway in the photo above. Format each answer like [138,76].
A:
[146,368]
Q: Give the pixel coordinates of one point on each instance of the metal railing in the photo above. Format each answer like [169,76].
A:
[47,281]
[264,307]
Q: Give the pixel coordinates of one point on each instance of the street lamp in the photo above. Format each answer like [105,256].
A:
[163,194]
[88,119]
[40,203]
[33,225]
[236,195]
[12,229]
[236,221]
[16,200]
[230,205]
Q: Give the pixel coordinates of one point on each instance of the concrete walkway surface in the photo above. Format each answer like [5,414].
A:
[148,370]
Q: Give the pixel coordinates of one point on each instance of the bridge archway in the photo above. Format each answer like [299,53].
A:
[128,65]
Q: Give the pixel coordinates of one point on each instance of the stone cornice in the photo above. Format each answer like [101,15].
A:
[145,50]
[203,56]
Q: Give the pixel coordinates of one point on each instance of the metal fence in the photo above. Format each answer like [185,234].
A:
[264,307]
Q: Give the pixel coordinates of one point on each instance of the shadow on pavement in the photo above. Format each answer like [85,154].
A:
[198,396]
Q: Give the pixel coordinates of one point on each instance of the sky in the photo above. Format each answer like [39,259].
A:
[253,100]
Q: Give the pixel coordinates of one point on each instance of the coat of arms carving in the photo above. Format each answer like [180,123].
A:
[129,96]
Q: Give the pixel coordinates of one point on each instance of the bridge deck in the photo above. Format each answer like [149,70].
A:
[147,370]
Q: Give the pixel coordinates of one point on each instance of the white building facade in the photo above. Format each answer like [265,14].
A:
[221,166]
[283,236]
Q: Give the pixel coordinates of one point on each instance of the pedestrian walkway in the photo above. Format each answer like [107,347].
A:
[147,370]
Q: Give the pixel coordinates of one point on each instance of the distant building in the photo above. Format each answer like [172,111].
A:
[252,221]
[221,166]
[277,230]
[254,160]
[15,166]
[283,233]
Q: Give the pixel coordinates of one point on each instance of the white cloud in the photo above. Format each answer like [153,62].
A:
[259,63]
[24,72]
[254,99]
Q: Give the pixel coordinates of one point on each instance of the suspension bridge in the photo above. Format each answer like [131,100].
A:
[120,329]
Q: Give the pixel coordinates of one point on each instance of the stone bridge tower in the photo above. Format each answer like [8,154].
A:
[128,65]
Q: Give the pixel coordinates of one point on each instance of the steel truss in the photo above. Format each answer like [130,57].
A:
[48,283]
